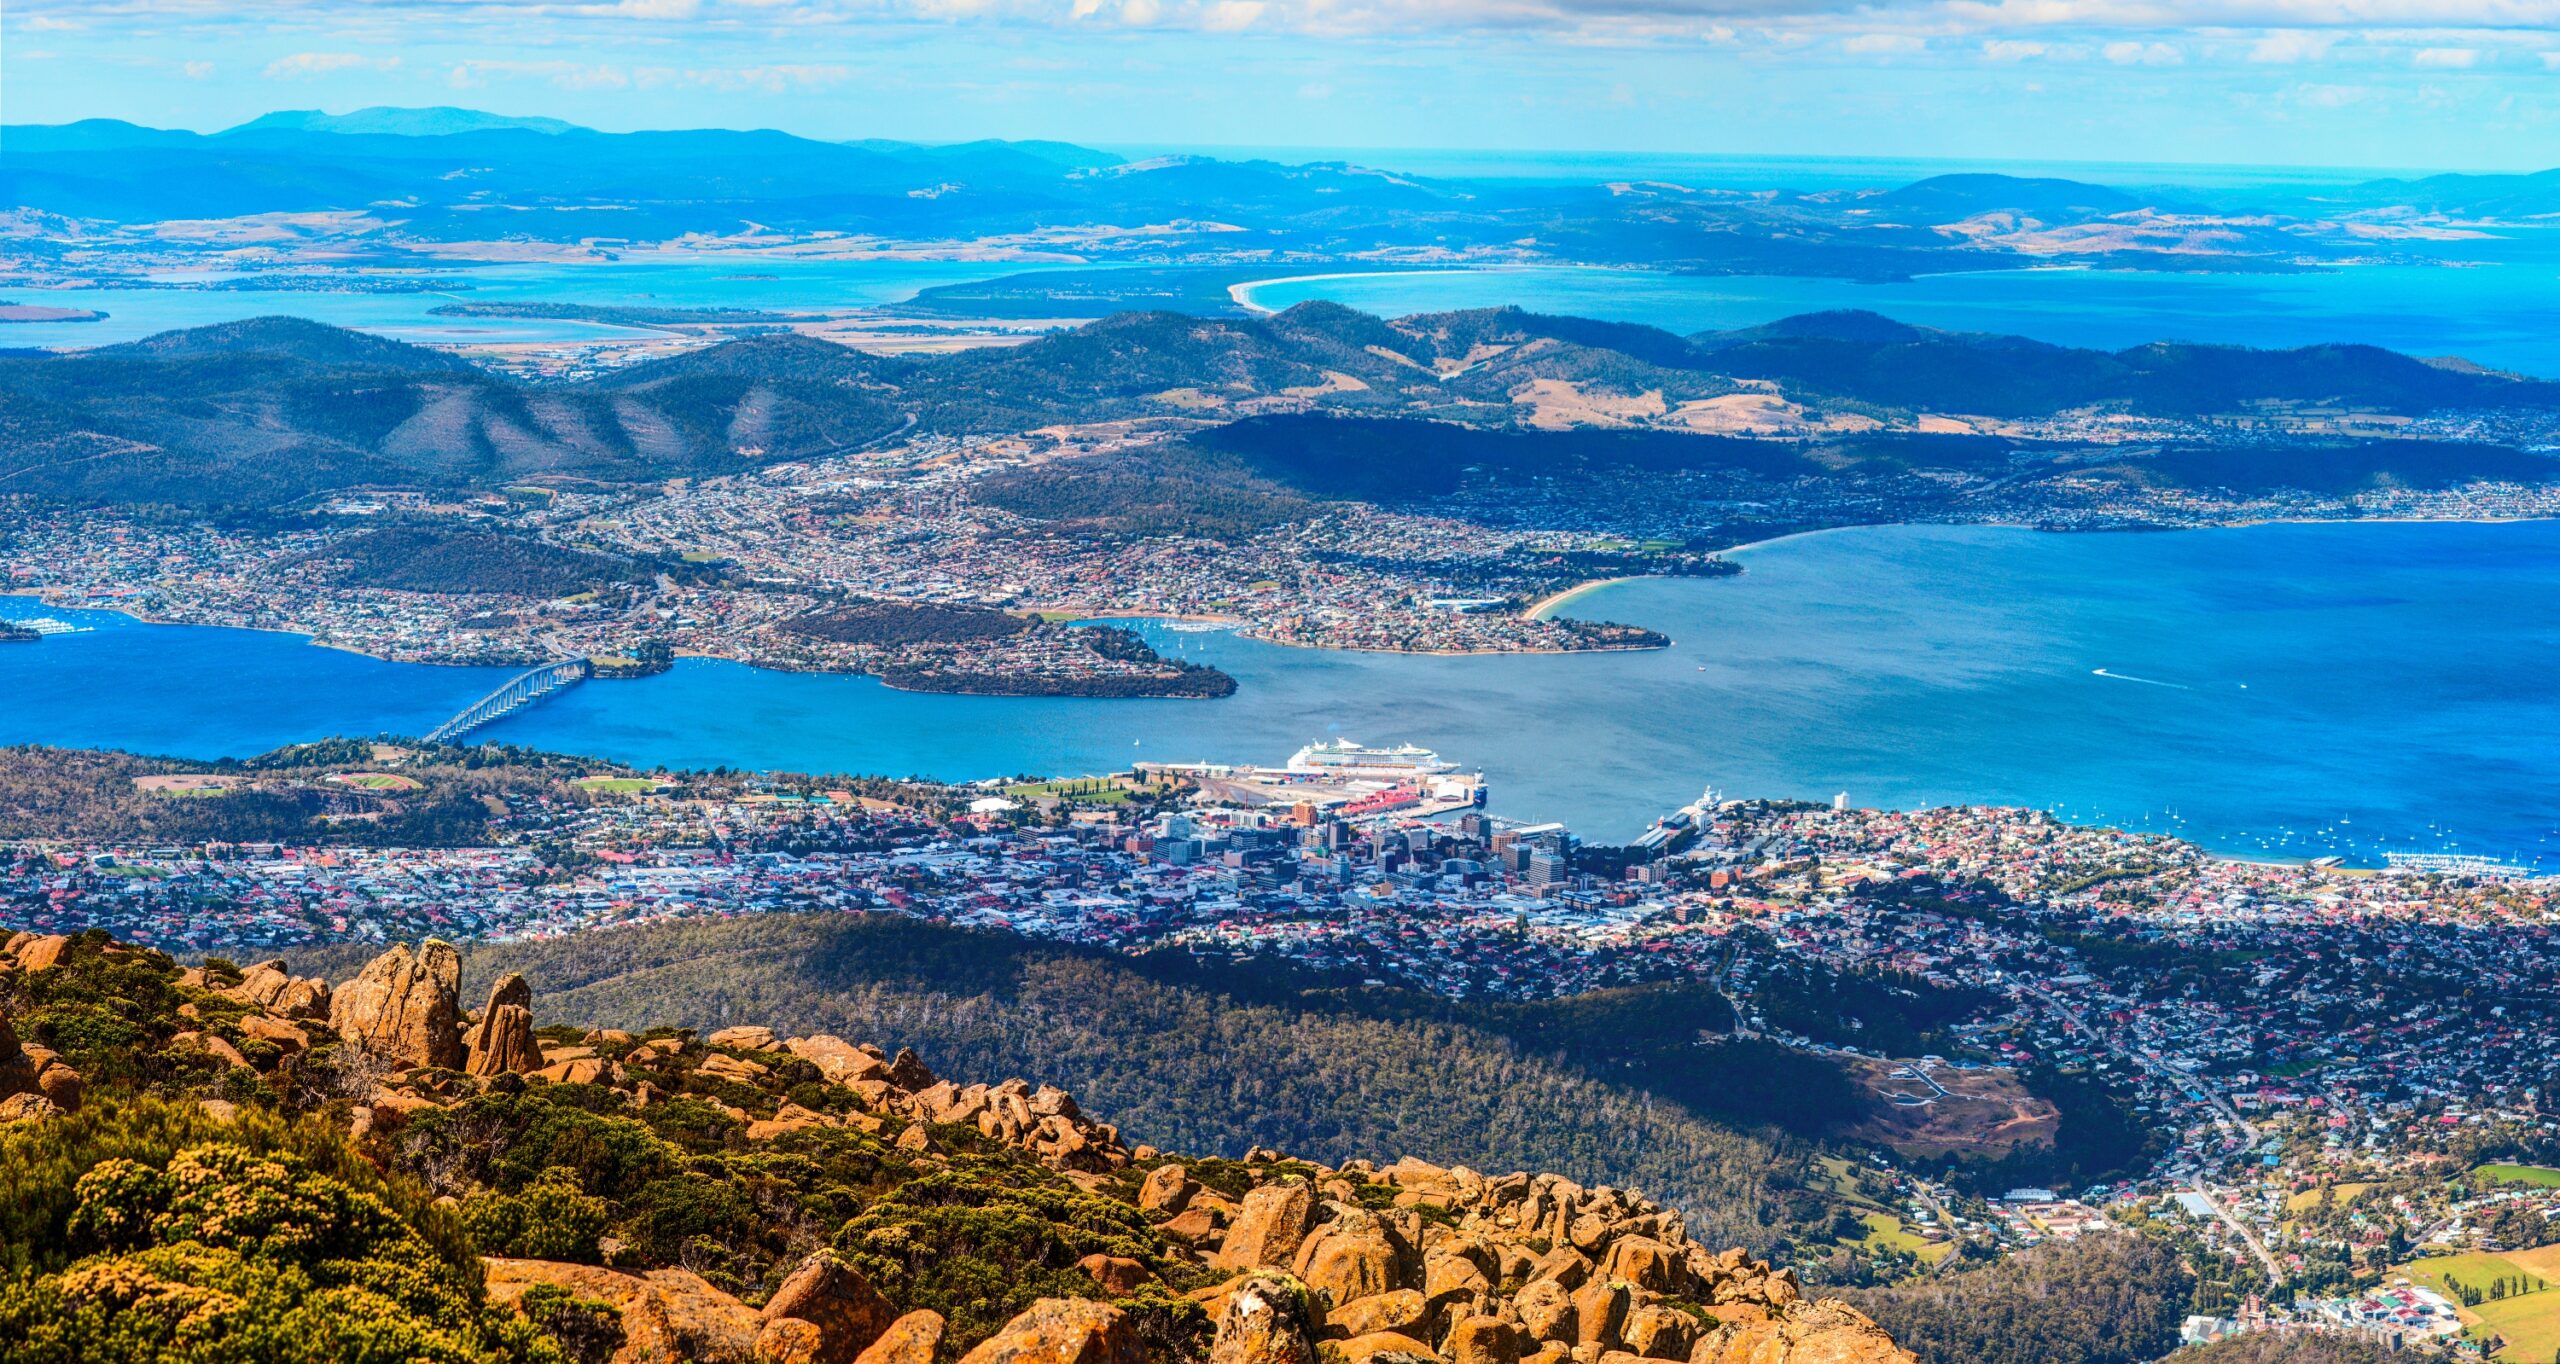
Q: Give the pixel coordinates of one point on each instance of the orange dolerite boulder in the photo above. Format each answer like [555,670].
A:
[1351,1257]
[405,1007]
[1383,1347]
[839,1061]
[1264,1322]
[1401,1310]
[1268,1228]
[910,1339]
[669,1316]
[268,986]
[1062,1331]
[1483,1339]
[1825,1333]
[834,1298]
[36,953]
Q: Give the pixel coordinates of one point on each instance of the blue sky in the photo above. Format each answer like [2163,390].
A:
[2392,83]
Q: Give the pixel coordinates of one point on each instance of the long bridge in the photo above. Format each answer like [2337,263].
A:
[520,691]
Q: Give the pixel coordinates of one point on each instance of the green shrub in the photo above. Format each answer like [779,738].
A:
[551,1219]
[980,1242]
[586,1330]
[149,1231]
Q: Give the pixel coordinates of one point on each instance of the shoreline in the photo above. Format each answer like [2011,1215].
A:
[1241,293]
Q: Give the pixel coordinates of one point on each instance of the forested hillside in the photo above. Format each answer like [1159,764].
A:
[2099,1300]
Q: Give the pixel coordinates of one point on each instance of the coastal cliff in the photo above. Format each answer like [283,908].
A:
[369,1169]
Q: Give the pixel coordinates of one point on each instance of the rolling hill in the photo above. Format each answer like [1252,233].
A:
[271,411]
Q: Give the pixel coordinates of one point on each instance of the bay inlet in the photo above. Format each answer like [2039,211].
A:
[2273,691]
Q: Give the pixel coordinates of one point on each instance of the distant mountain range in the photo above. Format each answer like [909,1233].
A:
[444,175]
[272,410]
[384,119]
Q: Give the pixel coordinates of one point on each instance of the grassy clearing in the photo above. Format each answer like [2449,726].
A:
[2539,1176]
[1086,791]
[378,781]
[615,785]
[2310,1198]
[1888,1232]
[2529,1323]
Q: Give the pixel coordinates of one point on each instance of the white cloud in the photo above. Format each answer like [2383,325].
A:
[771,79]
[2128,32]
[197,71]
[2446,58]
[2291,45]
[644,9]
[306,65]
[2331,96]
[1229,16]
[471,75]
[2142,54]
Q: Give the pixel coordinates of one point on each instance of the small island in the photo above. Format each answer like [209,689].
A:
[37,312]
[11,632]
[982,651]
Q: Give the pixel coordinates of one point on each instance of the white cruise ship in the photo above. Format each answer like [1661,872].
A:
[1344,758]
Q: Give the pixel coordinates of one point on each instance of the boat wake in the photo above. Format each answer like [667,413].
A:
[2146,681]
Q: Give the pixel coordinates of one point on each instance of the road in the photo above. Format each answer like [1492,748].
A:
[2225,1117]
[2266,1259]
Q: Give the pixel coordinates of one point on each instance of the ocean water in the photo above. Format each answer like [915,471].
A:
[661,279]
[2271,691]
[2488,301]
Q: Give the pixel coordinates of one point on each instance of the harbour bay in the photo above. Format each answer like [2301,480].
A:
[2486,300]
[2269,691]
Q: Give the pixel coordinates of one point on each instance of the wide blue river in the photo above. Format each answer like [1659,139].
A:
[2278,690]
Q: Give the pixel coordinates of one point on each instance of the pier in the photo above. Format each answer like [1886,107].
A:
[520,691]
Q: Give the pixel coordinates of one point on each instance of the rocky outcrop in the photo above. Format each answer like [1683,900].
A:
[1268,1230]
[1511,1269]
[503,1040]
[405,1007]
[841,1062]
[1265,1322]
[34,1082]
[1293,1262]
[825,1313]
[1062,1331]
[38,952]
[1825,1333]
[667,1314]
[911,1339]
[269,987]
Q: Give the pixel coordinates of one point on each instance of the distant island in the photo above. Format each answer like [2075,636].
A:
[615,314]
[37,312]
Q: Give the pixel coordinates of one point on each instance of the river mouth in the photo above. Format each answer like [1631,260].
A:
[2273,691]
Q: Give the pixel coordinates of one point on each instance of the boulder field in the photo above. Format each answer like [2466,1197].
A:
[1405,1262]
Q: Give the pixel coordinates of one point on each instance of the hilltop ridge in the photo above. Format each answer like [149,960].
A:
[482,1188]
[268,410]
